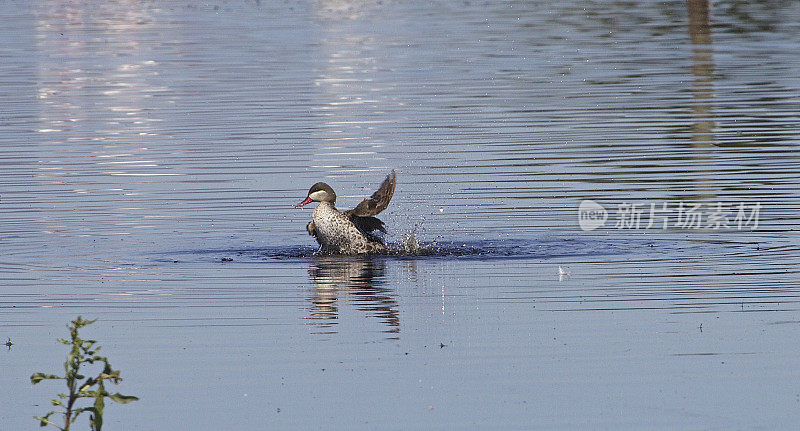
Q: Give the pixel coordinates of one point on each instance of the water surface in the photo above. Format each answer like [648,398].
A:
[151,154]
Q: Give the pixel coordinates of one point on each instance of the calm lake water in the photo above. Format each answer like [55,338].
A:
[151,152]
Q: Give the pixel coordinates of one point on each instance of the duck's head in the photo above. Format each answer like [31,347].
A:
[319,192]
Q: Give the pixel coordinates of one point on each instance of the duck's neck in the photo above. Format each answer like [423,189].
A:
[324,207]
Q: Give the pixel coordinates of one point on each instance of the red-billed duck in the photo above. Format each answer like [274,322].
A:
[351,231]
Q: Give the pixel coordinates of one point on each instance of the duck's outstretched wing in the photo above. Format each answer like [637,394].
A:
[368,224]
[362,215]
[378,201]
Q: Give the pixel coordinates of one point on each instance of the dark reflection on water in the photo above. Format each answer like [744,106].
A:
[703,70]
[358,280]
[151,151]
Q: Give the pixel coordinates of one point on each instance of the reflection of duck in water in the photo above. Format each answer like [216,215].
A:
[361,280]
[349,232]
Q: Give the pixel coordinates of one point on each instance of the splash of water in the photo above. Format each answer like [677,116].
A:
[409,244]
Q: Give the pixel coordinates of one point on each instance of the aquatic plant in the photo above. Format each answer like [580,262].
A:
[82,352]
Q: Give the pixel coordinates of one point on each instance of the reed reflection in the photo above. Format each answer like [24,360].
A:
[356,280]
[702,71]
[702,140]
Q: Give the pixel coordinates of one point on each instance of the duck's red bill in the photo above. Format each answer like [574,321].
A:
[307,201]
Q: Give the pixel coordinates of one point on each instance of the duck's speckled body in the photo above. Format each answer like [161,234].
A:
[348,232]
[337,234]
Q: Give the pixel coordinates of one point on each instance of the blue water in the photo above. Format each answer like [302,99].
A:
[151,155]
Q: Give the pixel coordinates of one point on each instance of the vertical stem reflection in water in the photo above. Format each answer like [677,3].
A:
[702,70]
[702,130]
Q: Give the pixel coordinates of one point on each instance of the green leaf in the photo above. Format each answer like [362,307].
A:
[76,412]
[87,394]
[89,383]
[99,406]
[96,421]
[97,418]
[38,377]
[44,420]
[122,399]
[114,375]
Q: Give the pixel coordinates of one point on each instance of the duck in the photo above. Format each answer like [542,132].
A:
[350,232]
